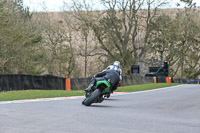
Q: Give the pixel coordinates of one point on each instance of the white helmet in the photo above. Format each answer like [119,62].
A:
[116,63]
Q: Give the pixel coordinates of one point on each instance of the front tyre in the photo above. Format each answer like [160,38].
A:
[91,99]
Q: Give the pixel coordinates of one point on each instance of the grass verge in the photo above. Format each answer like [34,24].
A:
[33,94]
[143,87]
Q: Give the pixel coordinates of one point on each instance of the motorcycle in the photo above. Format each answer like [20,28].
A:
[97,93]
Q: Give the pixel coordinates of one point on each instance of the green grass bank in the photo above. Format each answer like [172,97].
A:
[33,94]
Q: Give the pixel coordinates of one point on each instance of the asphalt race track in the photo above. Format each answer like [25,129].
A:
[167,110]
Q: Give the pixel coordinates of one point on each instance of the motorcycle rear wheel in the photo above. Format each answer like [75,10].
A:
[91,99]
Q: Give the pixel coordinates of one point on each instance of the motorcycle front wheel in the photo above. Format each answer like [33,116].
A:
[93,96]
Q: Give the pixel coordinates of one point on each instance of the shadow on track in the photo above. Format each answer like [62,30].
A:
[110,99]
[105,106]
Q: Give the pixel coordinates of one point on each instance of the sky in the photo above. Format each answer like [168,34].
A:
[57,5]
[53,5]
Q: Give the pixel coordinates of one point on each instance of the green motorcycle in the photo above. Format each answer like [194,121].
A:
[96,95]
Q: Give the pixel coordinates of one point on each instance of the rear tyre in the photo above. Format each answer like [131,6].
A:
[91,99]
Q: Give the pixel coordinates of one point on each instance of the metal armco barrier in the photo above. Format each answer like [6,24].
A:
[186,81]
[9,82]
[163,79]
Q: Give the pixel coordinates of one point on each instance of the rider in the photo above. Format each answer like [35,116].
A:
[116,67]
[112,74]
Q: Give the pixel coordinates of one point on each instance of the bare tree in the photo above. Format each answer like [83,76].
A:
[56,45]
[88,47]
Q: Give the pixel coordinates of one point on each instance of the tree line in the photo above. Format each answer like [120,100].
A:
[80,41]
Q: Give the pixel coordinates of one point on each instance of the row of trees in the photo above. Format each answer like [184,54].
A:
[164,36]
[80,42]
[18,40]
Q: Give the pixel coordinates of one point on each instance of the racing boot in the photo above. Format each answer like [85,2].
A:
[90,86]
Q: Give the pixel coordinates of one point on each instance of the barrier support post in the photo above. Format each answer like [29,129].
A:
[154,80]
[168,79]
[67,84]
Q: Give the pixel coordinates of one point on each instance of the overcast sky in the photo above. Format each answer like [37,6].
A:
[53,5]
[57,5]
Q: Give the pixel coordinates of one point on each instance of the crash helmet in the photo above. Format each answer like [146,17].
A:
[116,63]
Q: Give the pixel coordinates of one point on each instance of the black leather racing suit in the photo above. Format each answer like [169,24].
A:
[110,75]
